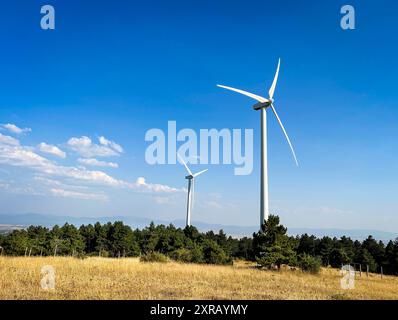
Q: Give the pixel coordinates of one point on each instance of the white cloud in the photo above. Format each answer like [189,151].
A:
[50,149]
[14,129]
[86,148]
[14,154]
[56,183]
[96,177]
[97,163]
[78,195]
[23,156]
[105,142]
[141,183]
[8,140]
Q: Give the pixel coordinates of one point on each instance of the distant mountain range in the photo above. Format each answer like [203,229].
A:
[10,222]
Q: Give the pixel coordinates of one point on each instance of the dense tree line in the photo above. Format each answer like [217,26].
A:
[270,247]
[119,240]
[273,247]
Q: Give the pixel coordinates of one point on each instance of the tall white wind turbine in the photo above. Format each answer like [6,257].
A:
[191,189]
[262,105]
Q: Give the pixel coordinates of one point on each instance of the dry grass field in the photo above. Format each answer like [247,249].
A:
[101,278]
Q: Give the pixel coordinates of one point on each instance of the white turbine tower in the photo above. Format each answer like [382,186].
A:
[191,189]
[262,105]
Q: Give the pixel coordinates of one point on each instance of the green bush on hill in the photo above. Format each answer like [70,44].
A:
[154,257]
[309,263]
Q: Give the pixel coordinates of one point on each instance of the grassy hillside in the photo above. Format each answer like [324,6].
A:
[101,278]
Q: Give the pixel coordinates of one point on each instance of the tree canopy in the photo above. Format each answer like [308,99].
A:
[272,246]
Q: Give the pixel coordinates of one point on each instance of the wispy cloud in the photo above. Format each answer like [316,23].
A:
[153,187]
[14,129]
[212,204]
[51,149]
[57,183]
[332,211]
[323,210]
[8,140]
[85,147]
[111,144]
[16,188]
[21,156]
[97,163]
[78,195]
[4,185]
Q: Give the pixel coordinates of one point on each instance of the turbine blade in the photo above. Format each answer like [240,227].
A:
[272,89]
[284,131]
[199,173]
[245,93]
[185,165]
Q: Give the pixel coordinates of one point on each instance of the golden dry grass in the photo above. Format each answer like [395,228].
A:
[101,278]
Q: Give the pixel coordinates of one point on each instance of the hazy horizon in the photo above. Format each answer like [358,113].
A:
[27,219]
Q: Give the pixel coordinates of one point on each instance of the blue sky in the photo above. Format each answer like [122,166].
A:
[115,69]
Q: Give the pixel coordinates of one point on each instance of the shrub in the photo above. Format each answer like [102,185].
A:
[214,254]
[196,254]
[154,257]
[103,254]
[80,255]
[182,255]
[188,255]
[309,263]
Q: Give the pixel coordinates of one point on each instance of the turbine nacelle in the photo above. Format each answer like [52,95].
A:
[262,105]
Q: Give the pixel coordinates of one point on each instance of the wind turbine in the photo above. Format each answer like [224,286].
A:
[262,105]
[191,188]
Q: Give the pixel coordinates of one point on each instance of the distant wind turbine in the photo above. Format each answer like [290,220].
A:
[262,105]
[191,189]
